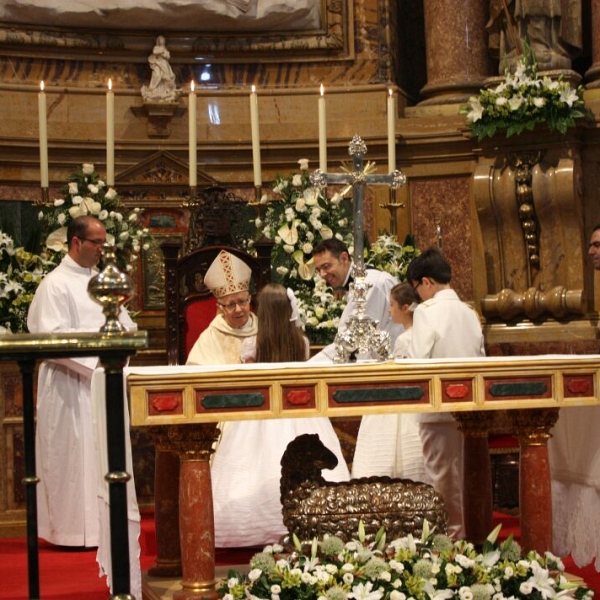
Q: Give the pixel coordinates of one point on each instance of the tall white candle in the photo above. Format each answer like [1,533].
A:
[255,137]
[391,130]
[110,135]
[193,156]
[322,131]
[43,137]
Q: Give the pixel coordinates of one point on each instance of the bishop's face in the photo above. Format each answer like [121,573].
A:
[235,309]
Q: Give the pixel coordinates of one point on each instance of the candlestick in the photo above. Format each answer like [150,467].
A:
[322,131]
[255,138]
[110,135]
[193,157]
[43,137]
[391,131]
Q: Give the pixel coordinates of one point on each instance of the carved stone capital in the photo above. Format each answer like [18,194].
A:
[532,427]
[475,424]
[190,442]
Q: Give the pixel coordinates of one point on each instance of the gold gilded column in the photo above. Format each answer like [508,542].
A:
[477,474]
[532,429]
[456,50]
[194,445]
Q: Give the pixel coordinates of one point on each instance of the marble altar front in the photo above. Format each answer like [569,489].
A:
[185,403]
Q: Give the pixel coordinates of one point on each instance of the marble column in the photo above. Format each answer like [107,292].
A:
[477,474]
[166,507]
[457,54]
[532,429]
[592,75]
[194,445]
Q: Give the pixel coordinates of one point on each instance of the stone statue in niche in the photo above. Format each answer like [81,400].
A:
[162,86]
[552,27]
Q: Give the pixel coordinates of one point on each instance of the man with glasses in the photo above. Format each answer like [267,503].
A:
[228,278]
[443,327]
[67,493]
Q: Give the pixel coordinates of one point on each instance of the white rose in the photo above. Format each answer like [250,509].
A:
[300,205]
[61,218]
[282,270]
[289,249]
[76,211]
[297,180]
[307,248]
[124,235]
[77,200]
[254,575]
[59,202]
[87,168]
[93,188]
[73,189]
[103,214]
[303,162]
[110,194]
[100,183]
[133,217]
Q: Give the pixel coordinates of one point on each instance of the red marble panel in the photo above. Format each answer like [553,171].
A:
[578,385]
[165,403]
[445,202]
[457,391]
[295,397]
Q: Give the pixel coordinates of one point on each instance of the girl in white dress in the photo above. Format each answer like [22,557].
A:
[390,444]
[246,469]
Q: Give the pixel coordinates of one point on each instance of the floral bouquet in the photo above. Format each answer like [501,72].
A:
[87,194]
[433,568]
[20,274]
[297,219]
[523,100]
[386,253]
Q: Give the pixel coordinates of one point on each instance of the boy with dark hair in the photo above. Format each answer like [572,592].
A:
[443,327]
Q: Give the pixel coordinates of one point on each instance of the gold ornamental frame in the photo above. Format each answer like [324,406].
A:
[334,40]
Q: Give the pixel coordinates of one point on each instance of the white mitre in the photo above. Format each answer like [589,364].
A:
[227,275]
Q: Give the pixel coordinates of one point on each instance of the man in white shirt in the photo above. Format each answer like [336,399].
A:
[443,327]
[332,261]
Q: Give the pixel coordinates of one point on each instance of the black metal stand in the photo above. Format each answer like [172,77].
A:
[113,350]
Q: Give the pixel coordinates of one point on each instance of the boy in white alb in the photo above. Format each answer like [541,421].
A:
[443,327]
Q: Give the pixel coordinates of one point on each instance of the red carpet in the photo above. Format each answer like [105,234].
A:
[74,575]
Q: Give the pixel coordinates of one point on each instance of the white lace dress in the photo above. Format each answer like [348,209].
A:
[246,472]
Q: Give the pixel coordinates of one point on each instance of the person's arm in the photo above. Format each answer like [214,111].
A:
[423,335]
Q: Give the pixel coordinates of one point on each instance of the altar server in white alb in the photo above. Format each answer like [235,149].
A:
[443,327]
[68,496]
[390,444]
[246,466]
[332,261]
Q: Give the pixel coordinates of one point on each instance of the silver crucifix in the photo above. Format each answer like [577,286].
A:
[361,335]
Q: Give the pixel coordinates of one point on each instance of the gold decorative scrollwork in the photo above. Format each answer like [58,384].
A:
[523,163]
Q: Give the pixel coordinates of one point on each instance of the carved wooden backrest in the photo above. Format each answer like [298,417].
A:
[190,304]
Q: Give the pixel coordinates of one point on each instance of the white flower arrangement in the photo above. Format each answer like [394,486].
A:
[523,100]
[296,219]
[432,568]
[86,194]
[20,274]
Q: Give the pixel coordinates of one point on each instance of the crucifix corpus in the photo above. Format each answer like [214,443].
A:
[361,338]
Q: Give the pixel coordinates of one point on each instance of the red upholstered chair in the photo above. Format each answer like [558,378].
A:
[190,304]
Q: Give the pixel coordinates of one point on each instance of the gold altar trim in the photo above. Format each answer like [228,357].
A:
[180,395]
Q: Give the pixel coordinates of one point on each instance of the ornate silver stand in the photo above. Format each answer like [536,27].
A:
[361,335]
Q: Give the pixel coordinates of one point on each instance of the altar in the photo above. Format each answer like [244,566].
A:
[183,404]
